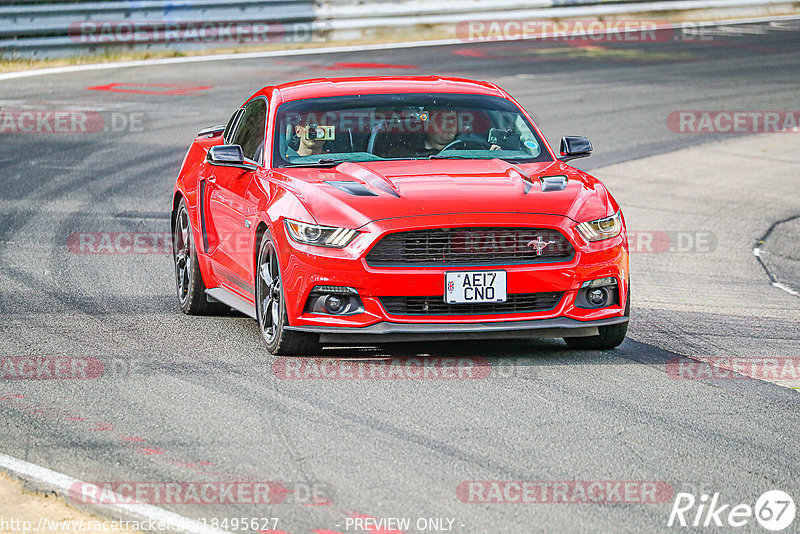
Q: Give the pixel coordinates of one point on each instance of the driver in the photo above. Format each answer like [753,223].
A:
[441,129]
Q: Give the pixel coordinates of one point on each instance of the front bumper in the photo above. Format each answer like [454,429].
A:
[306,267]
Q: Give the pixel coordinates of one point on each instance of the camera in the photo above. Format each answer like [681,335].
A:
[320,133]
[505,138]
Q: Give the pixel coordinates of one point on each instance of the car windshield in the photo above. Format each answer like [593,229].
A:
[328,131]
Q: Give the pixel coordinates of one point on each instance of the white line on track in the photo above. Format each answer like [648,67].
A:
[61,484]
[338,49]
[757,253]
[786,288]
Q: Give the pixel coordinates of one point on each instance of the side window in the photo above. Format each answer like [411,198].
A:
[249,133]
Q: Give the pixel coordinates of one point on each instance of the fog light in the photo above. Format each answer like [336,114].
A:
[333,304]
[333,300]
[598,297]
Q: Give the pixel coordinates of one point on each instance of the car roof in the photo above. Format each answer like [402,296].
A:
[321,87]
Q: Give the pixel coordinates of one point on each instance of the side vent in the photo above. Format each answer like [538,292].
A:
[203,215]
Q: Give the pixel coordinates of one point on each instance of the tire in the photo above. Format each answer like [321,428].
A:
[271,306]
[608,337]
[192,297]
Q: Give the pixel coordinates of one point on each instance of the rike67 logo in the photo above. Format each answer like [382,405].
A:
[774,510]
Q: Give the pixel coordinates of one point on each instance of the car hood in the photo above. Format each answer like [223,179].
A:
[354,194]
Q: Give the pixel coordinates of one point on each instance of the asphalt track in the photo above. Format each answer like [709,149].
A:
[197,399]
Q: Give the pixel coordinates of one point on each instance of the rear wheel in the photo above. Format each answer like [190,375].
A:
[271,307]
[192,296]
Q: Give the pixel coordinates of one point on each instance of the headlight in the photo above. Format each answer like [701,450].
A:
[322,236]
[600,229]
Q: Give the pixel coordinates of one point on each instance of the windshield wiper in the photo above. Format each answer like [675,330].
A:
[321,162]
[453,156]
[518,160]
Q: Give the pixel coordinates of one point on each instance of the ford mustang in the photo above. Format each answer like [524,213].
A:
[379,209]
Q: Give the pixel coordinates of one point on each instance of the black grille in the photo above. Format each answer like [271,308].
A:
[470,246]
[516,303]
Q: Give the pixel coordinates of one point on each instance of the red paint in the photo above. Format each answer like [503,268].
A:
[344,66]
[101,426]
[133,438]
[470,52]
[149,88]
[150,451]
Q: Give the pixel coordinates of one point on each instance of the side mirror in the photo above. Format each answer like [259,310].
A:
[573,147]
[228,156]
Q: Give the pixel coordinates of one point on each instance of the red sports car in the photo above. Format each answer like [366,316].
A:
[381,209]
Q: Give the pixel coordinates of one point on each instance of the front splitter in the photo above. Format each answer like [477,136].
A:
[386,331]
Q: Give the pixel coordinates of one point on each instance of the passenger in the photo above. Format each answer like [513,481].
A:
[307,146]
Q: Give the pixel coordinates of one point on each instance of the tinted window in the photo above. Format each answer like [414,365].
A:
[249,132]
[404,126]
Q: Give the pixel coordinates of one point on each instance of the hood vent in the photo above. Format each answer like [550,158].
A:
[553,183]
[354,188]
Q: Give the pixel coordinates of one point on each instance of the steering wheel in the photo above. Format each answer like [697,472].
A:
[469,143]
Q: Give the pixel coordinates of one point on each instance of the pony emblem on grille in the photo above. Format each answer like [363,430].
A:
[538,244]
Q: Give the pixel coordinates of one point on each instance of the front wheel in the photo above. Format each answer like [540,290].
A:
[271,307]
[608,337]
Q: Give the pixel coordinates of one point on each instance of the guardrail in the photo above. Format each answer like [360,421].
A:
[49,30]
[59,30]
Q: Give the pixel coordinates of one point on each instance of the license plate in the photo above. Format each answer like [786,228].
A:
[465,287]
